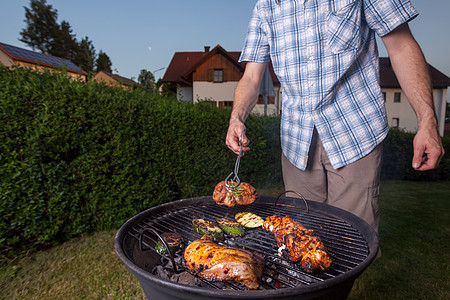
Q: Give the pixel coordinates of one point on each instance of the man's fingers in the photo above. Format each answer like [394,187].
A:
[233,139]
[418,158]
[426,160]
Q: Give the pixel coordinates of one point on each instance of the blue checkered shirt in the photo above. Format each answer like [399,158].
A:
[325,55]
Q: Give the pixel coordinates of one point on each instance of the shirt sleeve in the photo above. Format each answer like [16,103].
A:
[383,16]
[256,46]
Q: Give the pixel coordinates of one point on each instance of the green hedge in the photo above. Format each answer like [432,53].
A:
[77,157]
[397,159]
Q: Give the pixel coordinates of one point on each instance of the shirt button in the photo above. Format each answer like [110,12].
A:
[311,58]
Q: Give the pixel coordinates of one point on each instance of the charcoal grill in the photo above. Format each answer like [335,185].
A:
[351,243]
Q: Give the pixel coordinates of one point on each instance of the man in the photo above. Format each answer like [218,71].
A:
[333,116]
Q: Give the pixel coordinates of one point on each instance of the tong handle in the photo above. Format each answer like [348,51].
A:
[236,181]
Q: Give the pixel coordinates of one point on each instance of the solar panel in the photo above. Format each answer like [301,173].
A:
[40,57]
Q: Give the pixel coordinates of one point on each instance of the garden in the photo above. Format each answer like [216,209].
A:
[78,159]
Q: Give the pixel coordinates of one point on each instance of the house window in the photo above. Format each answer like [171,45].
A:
[397,97]
[395,122]
[218,75]
[226,104]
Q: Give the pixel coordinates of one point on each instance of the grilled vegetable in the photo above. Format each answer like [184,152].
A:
[230,226]
[207,227]
[249,219]
[172,239]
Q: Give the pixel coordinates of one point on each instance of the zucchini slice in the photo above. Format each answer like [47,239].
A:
[230,226]
[172,239]
[207,227]
[249,219]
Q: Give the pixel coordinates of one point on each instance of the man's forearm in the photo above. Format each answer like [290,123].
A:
[412,73]
[247,91]
[245,98]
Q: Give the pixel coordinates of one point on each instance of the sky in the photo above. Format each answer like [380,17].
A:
[144,34]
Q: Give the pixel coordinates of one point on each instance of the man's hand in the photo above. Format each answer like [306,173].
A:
[428,150]
[234,135]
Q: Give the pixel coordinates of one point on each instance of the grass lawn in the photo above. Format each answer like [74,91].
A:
[414,238]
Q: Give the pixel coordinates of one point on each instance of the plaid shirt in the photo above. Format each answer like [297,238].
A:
[324,54]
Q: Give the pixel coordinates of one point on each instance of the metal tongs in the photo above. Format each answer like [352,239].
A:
[236,181]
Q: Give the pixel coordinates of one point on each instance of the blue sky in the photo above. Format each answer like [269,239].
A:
[144,34]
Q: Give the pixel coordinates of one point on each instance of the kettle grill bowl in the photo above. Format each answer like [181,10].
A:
[352,244]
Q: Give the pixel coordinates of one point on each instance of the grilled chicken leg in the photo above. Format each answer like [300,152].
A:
[301,243]
[243,194]
[212,261]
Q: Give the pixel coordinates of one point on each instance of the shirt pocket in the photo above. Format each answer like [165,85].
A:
[343,25]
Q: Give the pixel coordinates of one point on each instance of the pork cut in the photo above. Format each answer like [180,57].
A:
[242,194]
[301,244]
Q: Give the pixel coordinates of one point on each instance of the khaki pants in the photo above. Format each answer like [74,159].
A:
[354,187]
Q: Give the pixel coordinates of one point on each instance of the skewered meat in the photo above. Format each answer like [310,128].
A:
[301,243]
[242,194]
[212,261]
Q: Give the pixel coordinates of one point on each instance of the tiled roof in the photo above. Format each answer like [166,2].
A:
[122,80]
[29,56]
[180,63]
[389,80]
[183,62]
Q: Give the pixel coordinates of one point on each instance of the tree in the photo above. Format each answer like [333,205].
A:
[43,33]
[146,79]
[64,43]
[41,26]
[86,56]
[162,88]
[103,62]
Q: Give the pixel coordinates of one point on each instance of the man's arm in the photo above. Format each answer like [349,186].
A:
[412,73]
[245,98]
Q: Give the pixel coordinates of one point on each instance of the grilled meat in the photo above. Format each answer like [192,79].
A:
[211,261]
[242,194]
[301,243]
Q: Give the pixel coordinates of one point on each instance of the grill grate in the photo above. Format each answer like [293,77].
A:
[346,246]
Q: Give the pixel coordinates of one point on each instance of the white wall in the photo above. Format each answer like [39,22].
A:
[404,112]
[203,90]
[440,104]
[217,92]
[259,109]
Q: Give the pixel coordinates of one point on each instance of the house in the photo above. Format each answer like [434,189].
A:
[212,75]
[399,111]
[115,80]
[12,55]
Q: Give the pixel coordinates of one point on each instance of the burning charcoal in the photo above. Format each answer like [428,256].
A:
[162,272]
[184,278]
[178,260]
